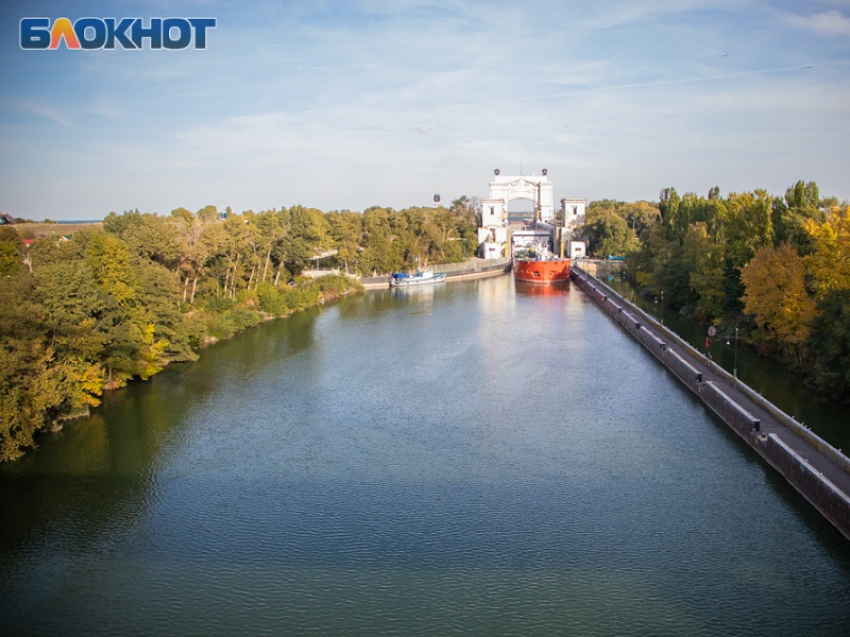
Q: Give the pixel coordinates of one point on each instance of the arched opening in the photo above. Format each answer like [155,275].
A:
[520,210]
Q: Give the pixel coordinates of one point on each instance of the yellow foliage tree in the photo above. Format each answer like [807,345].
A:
[829,263]
[777,298]
[152,353]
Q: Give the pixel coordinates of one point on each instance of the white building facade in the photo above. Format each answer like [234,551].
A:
[494,230]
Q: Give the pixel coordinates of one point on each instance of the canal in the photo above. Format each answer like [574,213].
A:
[469,459]
[829,419]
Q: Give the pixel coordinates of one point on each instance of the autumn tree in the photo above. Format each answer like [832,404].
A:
[829,260]
[777,298]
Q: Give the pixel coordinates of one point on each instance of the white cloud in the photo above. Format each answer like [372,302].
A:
[826,23]
[47,112]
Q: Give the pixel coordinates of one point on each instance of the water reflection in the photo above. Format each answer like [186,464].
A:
[769,377]
[558,288]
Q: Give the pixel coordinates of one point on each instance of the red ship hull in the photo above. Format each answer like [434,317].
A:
[533,271]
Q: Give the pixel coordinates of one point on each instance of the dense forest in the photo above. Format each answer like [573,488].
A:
[776,268]
[85,314]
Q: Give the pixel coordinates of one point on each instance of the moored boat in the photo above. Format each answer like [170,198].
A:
[538,265]
[422,277]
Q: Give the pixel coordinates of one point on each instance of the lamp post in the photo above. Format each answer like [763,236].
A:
[735,366]
[662,307]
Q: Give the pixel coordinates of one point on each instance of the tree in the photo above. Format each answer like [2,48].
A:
[803,196]
[829,342]
[607,233]
[789,215]
[308,235]
[749,226]
[23,361]
[639,215]
[11,260]
[777,299]
[146,235]
[377,255]
[109,259]
[668,205]
[159,291]
[193,249]
[705,257]
[829,261]
[346,231]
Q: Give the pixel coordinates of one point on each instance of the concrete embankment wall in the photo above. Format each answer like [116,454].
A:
[818,471]
[827,497]
[600,267]
[471,269]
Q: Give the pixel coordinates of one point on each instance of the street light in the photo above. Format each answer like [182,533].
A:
[662,307]
[735,367]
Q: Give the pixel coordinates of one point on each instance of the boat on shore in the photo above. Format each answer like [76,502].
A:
[537,264]
[422,277]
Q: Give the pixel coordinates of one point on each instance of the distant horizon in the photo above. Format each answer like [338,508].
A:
[445,202]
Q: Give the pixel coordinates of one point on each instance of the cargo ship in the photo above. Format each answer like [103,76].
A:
[536,264]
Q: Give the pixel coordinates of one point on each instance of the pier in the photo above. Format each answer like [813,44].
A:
[818,471]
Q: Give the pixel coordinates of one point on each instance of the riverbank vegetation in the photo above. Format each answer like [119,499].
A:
[776,268]
[87,313]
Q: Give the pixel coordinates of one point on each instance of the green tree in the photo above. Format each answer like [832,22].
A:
[194,249]
[146,235]
[668,206]
[11,259]
[23,362]
[829,343]
[749,226]
[607,233]
[803,196]
[307,236]
[705,259]
[790,215]
[346,231]
[639,216]
[377,255]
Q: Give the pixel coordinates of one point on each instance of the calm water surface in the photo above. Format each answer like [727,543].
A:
[470,459]
[829,419]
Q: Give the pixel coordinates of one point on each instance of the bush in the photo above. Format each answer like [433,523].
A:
[272,300]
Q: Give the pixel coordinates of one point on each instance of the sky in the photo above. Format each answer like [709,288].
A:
[346,105]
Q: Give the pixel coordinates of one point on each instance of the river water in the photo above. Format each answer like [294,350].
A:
[829,419]
[469,459]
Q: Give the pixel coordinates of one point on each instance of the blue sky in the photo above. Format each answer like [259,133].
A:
[351,104]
